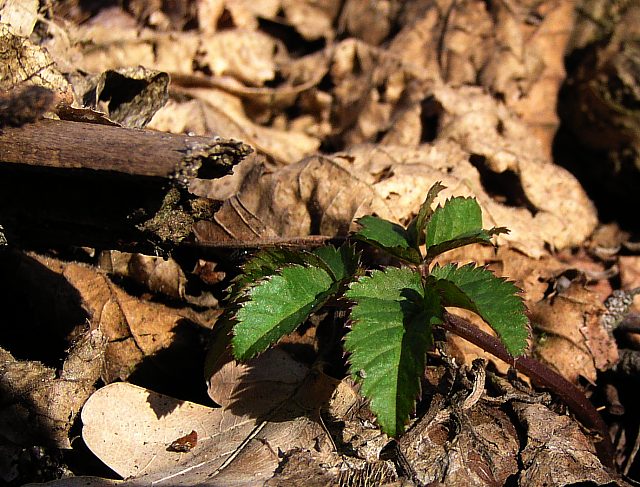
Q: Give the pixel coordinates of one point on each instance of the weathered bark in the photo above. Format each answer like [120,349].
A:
[71,183]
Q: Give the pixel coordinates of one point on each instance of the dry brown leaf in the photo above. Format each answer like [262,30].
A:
[163,276]
[323,194]
[526,66]
[265,381]
[147,92]
[559,209]
[130,428]
[370,21]
[514,50]
[160,276]
[312,19]
[557,452]
[243,14]
[102,47]
[249,56]
[244,54]
[573,340]
[40,404]
[135,329]
[304,467]
[21,60]
[320,195]
[537,278]
[629,271]
[483,453]
[218,113]
[368,93]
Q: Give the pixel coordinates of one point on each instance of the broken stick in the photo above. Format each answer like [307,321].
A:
[73,183]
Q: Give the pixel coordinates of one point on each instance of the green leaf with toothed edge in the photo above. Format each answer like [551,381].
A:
[276,306]
[338,262]
[455,224]
[261,265]
[494,299]
[390,335]
[341,262]
[388,236]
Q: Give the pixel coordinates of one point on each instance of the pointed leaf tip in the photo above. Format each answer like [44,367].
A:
[455,224]
[417,226]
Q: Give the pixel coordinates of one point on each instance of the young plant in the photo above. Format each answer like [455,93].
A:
[392,310]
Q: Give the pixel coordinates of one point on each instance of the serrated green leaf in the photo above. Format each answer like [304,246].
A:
[276,306]
[390,336]
[457,223]
[267,262]
[388,236]
[494,299]
[418,224]
[478,236]
[263,264]
[340,262]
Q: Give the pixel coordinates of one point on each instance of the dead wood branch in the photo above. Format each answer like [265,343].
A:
[71,183]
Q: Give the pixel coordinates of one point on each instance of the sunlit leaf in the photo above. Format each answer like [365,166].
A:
[418,224]
[276,306]
[457,223]
[390,335]
[388,236]
[496,300]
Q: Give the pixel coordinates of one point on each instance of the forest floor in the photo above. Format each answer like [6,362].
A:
[149,148]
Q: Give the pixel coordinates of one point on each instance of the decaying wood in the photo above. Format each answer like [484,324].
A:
[140,153]
[71,183]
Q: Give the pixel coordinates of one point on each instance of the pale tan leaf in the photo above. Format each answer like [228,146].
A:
[19,15]
[244,54]
[129,428]
[21,60]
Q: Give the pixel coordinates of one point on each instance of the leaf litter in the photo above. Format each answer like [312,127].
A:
[361,114]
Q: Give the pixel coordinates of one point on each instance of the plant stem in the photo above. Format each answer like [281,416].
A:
[541,375]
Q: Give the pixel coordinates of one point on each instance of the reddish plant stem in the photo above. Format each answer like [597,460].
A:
[541,375]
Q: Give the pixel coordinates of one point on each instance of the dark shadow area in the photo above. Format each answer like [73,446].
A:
[40,310]
[81,460]
[49,207]
[598,135]
[503,187]
[176,371]
[297,46]
[616,396]
[430,114]
[613,188]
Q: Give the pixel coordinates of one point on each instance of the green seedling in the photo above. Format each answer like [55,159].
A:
[392,310]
